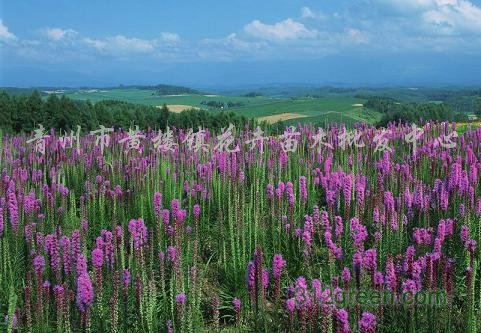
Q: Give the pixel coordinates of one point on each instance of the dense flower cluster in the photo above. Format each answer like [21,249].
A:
[257,239]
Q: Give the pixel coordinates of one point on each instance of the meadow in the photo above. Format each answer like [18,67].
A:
[208,232]
[342,109]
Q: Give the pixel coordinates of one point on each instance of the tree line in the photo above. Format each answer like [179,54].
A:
[394,111]
[23,113]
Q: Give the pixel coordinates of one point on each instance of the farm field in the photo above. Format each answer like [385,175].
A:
[148,97]
[158,236]
[326,109]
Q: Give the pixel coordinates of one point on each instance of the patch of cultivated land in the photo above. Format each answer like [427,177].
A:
[328,109]
[178,107]
[281,117]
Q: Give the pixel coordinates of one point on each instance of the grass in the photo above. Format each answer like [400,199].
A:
[149,97]
[316,110]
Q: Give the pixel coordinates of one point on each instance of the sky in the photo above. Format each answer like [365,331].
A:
[240,42]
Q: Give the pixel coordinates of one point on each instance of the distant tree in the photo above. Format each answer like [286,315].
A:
[6,110]
[477,106]
[23,113]
[253,94]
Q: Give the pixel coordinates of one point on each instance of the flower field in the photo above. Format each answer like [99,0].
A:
[110,238]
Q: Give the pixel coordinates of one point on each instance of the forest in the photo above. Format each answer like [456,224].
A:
[23,113]
[395,111]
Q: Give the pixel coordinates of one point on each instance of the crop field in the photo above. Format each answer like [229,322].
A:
[341,109]
[309,231]
[148,97]
[316,110]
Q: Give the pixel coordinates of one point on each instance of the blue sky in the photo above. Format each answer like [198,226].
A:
[228,43]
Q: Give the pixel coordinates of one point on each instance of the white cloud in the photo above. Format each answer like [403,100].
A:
[121,44]
[412,4]
[6,35]
[306,12]
[284,30]
[454,16]
[132,44]
[229,47]
[440,16]
[96,43]
[233,41]
[170,37]
[356,36]
[57,34]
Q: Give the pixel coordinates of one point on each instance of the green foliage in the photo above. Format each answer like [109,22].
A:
[394,111]
[23,113]
[478,106]
[221,105]
[253,94]
[164,89]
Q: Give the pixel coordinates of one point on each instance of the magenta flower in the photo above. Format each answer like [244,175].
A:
[138,231]
[85,292]
[75,246]
[97,258]
[339,226]
[389,201]
[464,233]
[303,188]
[180,299]
[270,191]
[346,275]
[1,222]
[325,220]
[470,245]
[265,278]
[347,189]
[370,260]
[290,194]
[12,206]
[462,210]
[237,308]
[277,264]
[39,264]
[65,244]
[301,293]
[58,291]
[409,259]
[158,204]
[367,324]
[169,326]
[251,277]
[126,278]
[444,199]
[378,279]
[180,216]
[196,210]
[343,320]
[358,232]
[291,305]
[51,248]
[171,254]
[165,217]
[81,265]
[391,278]
[409,286]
